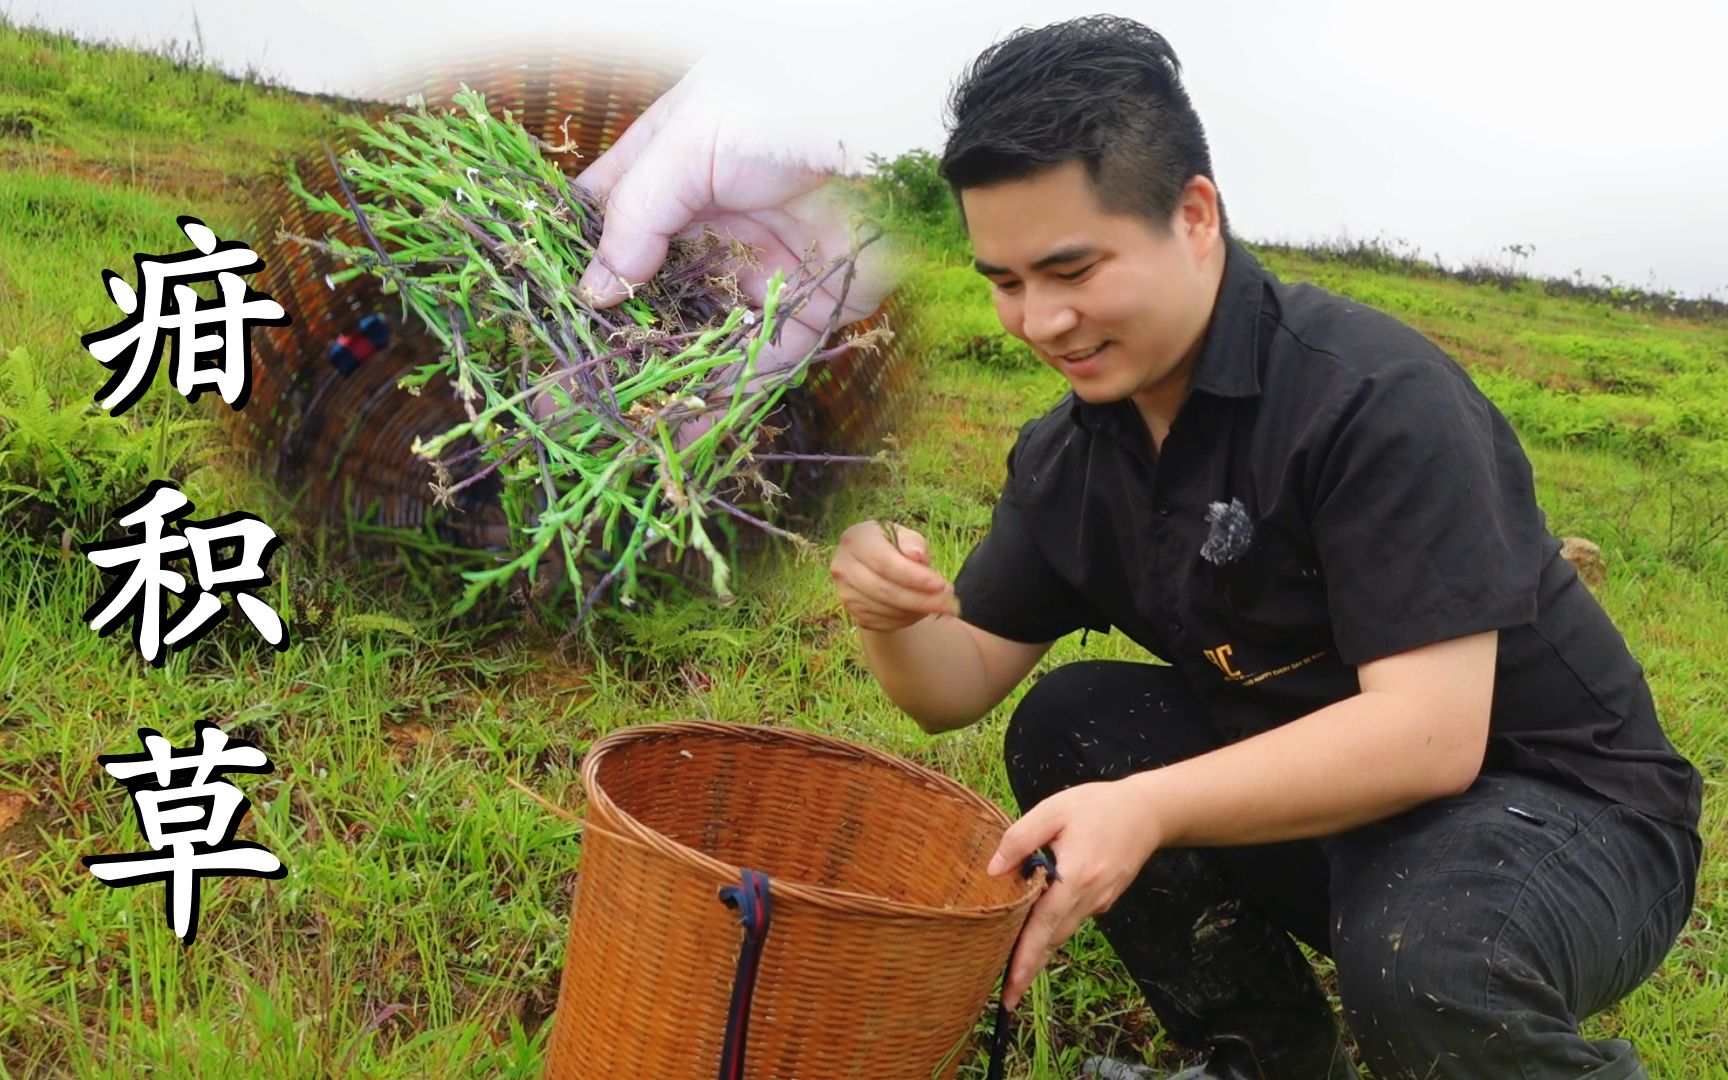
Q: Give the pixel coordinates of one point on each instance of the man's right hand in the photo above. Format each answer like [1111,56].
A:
[888,585]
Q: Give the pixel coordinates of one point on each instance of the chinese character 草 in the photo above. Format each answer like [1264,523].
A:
[228,554]
[188,820]
[132,346]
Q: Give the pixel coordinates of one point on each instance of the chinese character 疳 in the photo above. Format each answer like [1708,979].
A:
[189,823]
[157,535]
[132,346]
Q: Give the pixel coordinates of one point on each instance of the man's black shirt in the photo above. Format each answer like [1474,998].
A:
[1334,489]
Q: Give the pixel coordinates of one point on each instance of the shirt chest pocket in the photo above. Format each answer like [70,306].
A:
[1272,591]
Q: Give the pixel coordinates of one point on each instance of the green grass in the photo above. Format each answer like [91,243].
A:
[421,927]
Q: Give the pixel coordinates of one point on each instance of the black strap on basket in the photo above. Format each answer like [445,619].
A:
[1005,1019]
[750,898]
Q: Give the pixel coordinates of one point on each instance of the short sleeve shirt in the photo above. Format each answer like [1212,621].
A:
[1334,489]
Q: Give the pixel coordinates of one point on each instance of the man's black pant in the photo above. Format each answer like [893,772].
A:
[1469,934]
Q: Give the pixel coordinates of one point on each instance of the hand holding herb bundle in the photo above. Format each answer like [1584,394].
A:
[724,150]
[484,239]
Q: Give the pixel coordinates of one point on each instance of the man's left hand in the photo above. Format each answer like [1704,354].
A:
[1101,835]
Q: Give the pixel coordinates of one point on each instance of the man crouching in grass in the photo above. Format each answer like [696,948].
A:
[1390,722]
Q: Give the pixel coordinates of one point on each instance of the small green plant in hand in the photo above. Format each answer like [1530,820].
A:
[576,411]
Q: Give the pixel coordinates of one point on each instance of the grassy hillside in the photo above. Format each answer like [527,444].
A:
[421,927]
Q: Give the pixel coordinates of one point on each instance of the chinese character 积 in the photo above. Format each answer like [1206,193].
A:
[132,346]
[188,822]
[157,535]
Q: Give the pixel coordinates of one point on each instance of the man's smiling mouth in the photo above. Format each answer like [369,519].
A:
[1083,354]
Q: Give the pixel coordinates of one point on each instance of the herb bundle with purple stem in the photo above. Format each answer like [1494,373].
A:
[575,411]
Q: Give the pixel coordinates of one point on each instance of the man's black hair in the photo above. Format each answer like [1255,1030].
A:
[1102,90]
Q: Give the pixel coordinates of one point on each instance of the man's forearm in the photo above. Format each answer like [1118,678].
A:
[932,670]
[1356,761]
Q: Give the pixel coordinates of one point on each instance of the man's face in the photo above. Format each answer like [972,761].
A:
[1116,305]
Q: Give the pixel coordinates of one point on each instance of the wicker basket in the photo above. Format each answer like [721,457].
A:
[337,440]
[886,938]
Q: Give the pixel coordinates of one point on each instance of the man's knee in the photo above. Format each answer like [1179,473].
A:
[1038,749]
[1100,720]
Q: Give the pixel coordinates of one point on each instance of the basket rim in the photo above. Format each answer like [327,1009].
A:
[624,826]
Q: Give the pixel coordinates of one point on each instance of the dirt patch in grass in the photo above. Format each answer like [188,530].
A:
[23,821]
[1471,356]
[12,806]
[157,173]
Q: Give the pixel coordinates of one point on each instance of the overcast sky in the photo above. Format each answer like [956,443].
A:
[1594,131]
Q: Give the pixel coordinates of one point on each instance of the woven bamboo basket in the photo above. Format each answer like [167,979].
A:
[337,443]
[886,939]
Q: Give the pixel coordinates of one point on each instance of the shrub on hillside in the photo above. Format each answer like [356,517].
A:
[912,198]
